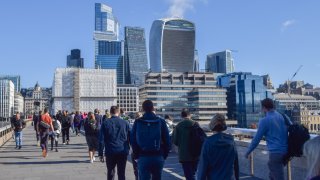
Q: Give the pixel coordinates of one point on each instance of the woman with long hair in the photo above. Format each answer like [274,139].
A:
[312,151]
[44,126]
[91,131]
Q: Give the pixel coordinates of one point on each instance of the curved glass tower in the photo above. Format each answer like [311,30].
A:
[172,45]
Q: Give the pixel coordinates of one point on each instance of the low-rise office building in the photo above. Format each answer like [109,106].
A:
[128,98]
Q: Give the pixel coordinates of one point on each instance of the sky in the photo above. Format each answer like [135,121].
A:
[268,36]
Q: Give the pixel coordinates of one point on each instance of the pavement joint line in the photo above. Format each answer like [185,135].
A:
[173,173]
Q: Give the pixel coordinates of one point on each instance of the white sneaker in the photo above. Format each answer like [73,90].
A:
[91,161]
[94,158]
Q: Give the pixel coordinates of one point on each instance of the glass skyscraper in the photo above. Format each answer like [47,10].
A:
[109,51]
[74,59]
[15,79]
[244,94]
[172,45]
[136,62]
[220,62]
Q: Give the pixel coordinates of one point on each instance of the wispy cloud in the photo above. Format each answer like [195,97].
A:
[179,7]
[288,23]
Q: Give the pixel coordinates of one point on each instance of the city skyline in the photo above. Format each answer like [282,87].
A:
[267,43]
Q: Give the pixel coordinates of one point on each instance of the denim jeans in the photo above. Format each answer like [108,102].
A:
[276,167]
[150,167]
[18,138]
[190,169]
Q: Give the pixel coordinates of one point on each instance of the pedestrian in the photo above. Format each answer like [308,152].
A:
[106,115]
[18,124]
[91,133]
[98,117]
[138,115]
[114,135]
[77,122]
[35,120]
[182,139]
[54,135]
[150,143]
[123,114]
[66,124]
[71,116]
[311,152]
[219,157]
[275,131]
[44,127]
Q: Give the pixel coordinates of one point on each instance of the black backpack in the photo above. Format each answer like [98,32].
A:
[55,125]
[297,136]
[197,138]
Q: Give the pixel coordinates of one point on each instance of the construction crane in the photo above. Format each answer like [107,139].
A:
[289,81]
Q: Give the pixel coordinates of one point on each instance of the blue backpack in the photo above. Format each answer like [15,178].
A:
[149,135]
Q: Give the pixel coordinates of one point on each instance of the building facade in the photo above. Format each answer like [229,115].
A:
[135,56]
[128,98]
[308,118]
[172,45]
[36,99]
[220,62]
[74,59]
[18,103]
[244,94]
[83,90]
[196,66]
[287,102]
[109,51]
[172,92]
[7,90]
[16,80]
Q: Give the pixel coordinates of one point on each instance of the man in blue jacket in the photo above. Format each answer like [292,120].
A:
[150,143]
[274,129]
[114,138]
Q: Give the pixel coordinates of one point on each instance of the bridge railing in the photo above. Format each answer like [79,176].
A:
[256,165]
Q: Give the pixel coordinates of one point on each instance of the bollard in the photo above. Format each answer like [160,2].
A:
[251,164]
[289,170]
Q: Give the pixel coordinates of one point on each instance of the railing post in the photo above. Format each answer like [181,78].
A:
[251,164]
[289,170]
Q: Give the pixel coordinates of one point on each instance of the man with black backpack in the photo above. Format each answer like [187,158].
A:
[18,124]
[77,122]
[189,137]
[66,124]
[150,143]
[274,128]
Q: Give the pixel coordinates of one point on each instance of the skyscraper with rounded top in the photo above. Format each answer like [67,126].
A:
[172,45]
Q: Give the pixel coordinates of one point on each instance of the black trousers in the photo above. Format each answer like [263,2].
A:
[119,160]
[65,134]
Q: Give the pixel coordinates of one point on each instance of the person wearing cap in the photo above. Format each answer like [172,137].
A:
[219,157]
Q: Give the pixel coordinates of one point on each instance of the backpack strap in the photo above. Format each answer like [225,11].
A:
[287,120]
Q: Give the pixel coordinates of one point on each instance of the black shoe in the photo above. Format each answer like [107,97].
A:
[19,147]
[57,150]
[16,147]
[67,142]
[51,149]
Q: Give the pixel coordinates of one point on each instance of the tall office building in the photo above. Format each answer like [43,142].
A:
[244,94]
[220,62]
[109,51]
[74,59]
[6,98]
[135,56]
[15,80]
[172,45]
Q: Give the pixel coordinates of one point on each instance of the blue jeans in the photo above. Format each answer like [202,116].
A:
[150,166]
[190,169]
[18,137]
[276,167]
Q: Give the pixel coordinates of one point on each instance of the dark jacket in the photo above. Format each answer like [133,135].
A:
[17,125]
[181,137]
[65,121]
[90,127]
[35,120]
[219,158]
[114,137]
[99,119]
[165,145]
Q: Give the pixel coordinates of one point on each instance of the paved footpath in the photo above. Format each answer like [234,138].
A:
[71,162]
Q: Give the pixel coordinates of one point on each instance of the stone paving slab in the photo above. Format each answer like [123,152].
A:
[71,162]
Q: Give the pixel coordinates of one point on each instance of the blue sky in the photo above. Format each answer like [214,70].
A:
[271,36]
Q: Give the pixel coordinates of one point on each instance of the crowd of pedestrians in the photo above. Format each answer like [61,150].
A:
[151,137]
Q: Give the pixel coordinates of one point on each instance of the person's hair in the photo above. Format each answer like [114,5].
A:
[77,112]
[185,113]
[167,116]
[311,151]
[218,123]
[147,106]
[121,110]
[40,112]
[45,110]
[90,115]
[17,113]
[106,111]
[96,111]
[267,103]
[114,110]
[138,115]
